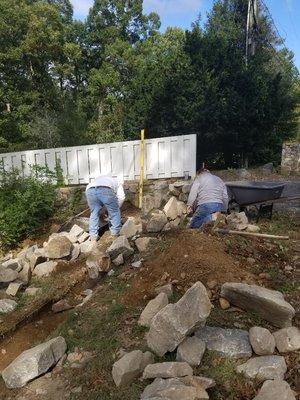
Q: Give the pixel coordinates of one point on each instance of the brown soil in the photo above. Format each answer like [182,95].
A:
[186,257]
[67,277]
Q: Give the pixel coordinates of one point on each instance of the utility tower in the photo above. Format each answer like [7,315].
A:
[251,28]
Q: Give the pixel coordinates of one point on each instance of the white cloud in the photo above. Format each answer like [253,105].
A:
[81,7]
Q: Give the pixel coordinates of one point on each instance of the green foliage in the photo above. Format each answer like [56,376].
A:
[67,83]
[25,204]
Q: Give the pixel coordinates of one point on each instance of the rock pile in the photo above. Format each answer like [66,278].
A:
[182,326]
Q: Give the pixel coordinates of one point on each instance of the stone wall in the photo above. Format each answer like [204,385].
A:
[290,162]
[156,193]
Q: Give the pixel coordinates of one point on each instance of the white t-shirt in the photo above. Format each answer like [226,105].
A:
[115,184]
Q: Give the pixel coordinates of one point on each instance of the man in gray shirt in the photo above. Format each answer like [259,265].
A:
[207,196]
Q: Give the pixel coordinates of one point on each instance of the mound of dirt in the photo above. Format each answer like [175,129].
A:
[183,258]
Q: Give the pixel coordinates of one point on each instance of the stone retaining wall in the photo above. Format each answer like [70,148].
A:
[290,162]
[156,193]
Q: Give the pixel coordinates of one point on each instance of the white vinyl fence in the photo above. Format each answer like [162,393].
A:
[164,158]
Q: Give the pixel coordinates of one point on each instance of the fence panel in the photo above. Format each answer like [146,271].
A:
[164,158]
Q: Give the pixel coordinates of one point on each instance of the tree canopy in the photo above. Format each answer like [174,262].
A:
[65,82]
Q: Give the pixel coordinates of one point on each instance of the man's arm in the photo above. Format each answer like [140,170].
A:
[193,193]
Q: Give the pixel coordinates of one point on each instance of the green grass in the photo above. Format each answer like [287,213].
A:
[103,329]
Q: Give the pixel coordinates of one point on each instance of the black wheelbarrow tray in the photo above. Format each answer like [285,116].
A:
[248,193]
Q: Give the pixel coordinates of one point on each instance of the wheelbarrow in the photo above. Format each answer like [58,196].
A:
[262,195]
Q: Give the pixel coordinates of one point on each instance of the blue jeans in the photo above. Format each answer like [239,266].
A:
[97,198]
[203,214]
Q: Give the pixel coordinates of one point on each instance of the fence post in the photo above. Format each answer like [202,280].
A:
[142,161]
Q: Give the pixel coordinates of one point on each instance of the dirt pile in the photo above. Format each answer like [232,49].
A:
[184,258]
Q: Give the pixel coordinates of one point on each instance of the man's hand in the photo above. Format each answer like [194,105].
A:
[189,210]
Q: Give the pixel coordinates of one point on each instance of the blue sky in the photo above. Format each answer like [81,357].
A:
[286,14]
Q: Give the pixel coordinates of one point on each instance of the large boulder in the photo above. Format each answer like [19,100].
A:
[275,390]
[7,305]
[287,339]
[167,370]
[264,367]
[157,222]
[130,229]
[232,343]
[45,269]
[269,304]
[12,263]
[34,362]
[58,247]
[130,367]
[98,260]
[7,275]
[152,308]
[14,288]
[143,243]
[185,388]
[171,209]
[262,341]
[120,246]
[174,322]
[191,350]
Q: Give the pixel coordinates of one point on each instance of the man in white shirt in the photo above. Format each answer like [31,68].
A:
[207,196]
[108,192]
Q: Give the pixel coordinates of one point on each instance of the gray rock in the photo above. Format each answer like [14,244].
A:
[58,247]
[159,384]
[11,264]
[119,260]
[199,381]
[167,289]
[34,362]
[14,288]
[262,341]
[269,304]
[243,173]
[181,393]
[191,350]
[171,209]
[75,252]
[45,269]
[157,222]
[83,223]
[87,247]
[32,291]
[174,322]
[143,243]
[120,246]
[25,274]
[264,367]
[7,306]
[287,339]
[76,230]
[275,390]
[226,342]
[167,370]
[82,238]
[7,275]
[137,264]
[130,229]
[37,257]
[129,367]
[98,261]
[152,308]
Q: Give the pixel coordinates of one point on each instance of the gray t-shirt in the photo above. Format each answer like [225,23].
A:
[208,188]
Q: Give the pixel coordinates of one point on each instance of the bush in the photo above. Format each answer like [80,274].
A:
[25,204]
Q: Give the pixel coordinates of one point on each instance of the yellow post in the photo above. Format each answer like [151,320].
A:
[142,160]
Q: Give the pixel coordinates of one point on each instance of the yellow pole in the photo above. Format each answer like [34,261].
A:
[142,160]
